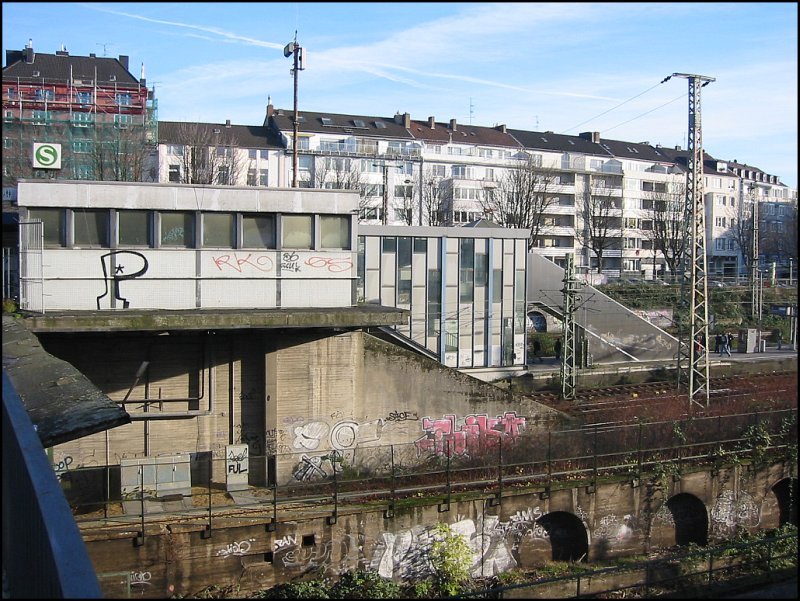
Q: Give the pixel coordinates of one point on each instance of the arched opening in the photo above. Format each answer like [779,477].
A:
[691,519]
[786,493]
[537,321]
[567,534]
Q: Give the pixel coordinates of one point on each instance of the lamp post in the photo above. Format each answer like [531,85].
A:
[385,167]
[293,49]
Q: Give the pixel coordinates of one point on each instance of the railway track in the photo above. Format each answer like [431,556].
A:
[631,403]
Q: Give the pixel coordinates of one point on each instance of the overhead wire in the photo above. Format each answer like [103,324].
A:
[646,113]
[614,107]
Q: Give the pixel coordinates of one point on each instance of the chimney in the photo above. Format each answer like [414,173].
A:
[501,128]
[270,110]
[29,52]
[432,122]
[228,123]
[407,120]
[92,55]
[677,148]
[63,51]
[123,60]
[592,136]
[453,125]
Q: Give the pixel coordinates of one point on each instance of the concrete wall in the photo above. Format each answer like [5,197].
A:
[524,531]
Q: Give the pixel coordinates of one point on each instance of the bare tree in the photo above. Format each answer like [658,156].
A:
[436,198]
[743,233]
[210,155]
[600,226]
[341,174]
[669,232]
[522,197]
[119,154]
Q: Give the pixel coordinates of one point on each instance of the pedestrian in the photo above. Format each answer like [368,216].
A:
[780,339]
[537,349]
[558,349]
[725,345]
[718,343]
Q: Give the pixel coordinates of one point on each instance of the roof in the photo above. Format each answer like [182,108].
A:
[641,151]
[340,125]
[462,134]
[61,402]
[551,141]
[63,67]
[245,136]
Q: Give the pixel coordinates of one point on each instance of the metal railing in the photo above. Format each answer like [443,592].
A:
[445,468]
[43,553]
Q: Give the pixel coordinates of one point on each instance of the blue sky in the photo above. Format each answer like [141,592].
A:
[559,67]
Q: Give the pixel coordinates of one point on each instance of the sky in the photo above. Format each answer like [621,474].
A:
[560,67]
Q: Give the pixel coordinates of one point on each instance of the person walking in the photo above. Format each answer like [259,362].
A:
[558,349]
[537,349]
[718,343]
[727,339]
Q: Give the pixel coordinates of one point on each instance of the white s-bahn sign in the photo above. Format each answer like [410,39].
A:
[46,155]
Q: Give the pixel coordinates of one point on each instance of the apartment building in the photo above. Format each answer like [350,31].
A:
[75,117]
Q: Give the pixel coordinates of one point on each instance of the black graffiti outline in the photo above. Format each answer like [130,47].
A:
[115,278]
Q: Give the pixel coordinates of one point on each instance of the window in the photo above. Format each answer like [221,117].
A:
[84,172]
[177,229]
[489,175]
[134,228]
[439,170]
[40,117]
[83,97]
[297,231]
[251,177]
[224,175]
[461,171]
[122,121]
[334,232]
[404,270]
[175,173]
[370,213]
[403,215]
[82,119]
[327,121]
[720,221]
[719,244]
[91,227]
[252,153]
[466,259]
[122,99]
[218,230]
[82,146]
[44,94]
[53,224]
[8,143]
[175,150]
[258,231]
[404,191]
[263,177]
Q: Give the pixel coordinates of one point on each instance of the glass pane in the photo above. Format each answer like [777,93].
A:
[297,231]
[134,228]
[177,229]
[218,229]
[334,232]
[53,224]
[91,228]
[258,231]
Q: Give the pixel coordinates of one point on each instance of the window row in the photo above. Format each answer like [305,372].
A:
[103,228]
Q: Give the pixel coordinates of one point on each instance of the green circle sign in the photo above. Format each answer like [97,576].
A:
[46,155]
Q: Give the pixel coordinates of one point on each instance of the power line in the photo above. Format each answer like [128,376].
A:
[614,107]
[645,113]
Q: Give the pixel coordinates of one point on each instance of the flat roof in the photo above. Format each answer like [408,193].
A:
[366,315]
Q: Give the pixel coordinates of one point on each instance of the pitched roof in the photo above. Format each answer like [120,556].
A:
[462,134]
[245,136]
[641,151]
[340,125]
[548,140]
[63,67]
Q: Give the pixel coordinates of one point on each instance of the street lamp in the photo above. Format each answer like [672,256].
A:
[293,49]
[385,168]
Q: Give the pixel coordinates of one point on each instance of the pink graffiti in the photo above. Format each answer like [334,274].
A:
[333,265]
[237,263]
[478,434]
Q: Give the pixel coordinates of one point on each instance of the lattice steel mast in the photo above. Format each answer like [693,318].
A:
[568,369]
[693,340]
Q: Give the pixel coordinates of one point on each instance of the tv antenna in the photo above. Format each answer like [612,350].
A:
[104,45]
[471,107]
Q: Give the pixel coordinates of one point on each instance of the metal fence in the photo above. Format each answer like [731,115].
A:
[439,470]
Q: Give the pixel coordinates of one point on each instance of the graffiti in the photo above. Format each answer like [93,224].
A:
[250,395]
[290,262]
[292,419]
[401,416]
[521,525]
[611,529]
[254,441]
[729,512]
[286,541]
[332,265]
[63,465]
[664,516]
[250,261]
[140,578]
[117,266]
[308,558]
[310,468]
[478,433]
[344,434]
[308,436]
[237,548]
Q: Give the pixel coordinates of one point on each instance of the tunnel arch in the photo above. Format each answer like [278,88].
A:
[567,533]
[785,491]
[691,519]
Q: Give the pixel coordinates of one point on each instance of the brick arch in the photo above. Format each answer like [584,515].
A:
[785,491]
[568,538]
[691,519]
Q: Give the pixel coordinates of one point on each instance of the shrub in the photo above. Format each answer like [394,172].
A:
[451,558]
[364,584]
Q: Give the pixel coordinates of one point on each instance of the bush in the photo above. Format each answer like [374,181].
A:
[364,584]
[308,589]
[451,558]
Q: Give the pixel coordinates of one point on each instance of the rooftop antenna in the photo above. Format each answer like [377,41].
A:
[104,45]
[537,121]
[471,107]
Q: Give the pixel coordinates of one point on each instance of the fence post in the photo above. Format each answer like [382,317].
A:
[446,506]
[389,513]
[331,519]
[206,533]
[639,451]
[139,540]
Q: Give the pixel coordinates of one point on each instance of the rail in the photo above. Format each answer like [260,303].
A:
[43,553]
[440,471]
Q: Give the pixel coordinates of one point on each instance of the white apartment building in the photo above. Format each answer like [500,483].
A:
[424,172]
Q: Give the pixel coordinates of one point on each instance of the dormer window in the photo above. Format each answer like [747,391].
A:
[327,121]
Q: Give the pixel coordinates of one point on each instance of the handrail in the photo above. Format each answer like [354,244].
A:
[43,553]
